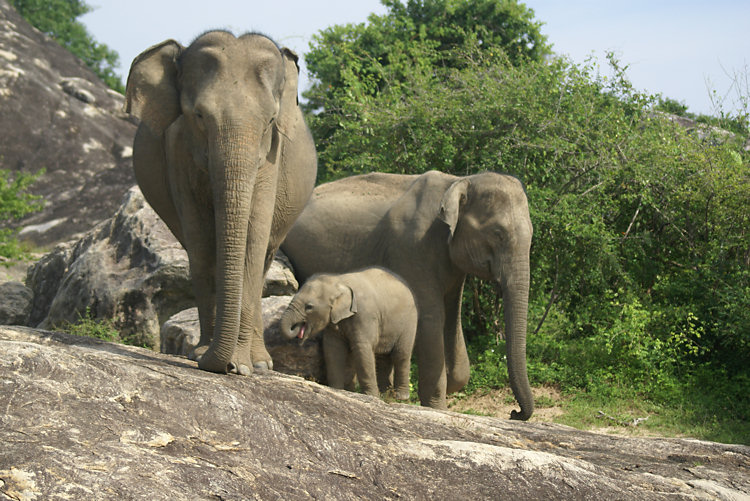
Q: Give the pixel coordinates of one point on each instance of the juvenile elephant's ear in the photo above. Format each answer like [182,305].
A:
[344,304]
[450,206]
[151,93]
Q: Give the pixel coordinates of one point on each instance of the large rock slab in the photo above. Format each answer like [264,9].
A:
[83,418]
[58,115]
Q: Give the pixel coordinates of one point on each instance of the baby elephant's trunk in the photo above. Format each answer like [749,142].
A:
[292,323]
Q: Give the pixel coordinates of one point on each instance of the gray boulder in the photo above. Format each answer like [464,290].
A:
[87,419]
[59,116]
[280,279]
[15,305]
[180,333]
[128,269]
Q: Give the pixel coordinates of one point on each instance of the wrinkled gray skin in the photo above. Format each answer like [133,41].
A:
[432,230]
[362,315]
[223,155]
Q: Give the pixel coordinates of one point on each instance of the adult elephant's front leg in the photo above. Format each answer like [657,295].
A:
[429,347]
[456,357]
[251,349]
[194,223]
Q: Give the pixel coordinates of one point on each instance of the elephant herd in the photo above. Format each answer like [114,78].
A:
[223,155]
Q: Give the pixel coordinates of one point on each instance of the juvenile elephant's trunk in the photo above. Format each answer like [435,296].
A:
[515,290]
[292,323]
[233,168]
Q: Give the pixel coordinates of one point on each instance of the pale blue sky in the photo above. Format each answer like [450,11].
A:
[678,48]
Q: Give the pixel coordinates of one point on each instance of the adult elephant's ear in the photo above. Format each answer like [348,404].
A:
[151,93]
[291,75]
[289,98]
[344,304]
[450,206]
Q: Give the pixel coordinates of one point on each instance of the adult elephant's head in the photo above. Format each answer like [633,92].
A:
[323,300]
[490,237]
[219,107]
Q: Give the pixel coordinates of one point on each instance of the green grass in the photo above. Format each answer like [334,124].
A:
[602,385]
[87,326]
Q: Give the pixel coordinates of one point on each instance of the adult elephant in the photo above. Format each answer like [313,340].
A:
[432,230]
[223,155]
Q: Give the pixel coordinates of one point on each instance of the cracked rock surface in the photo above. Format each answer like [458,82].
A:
[82,418]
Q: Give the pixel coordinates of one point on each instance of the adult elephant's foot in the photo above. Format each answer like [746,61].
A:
[260,356]
[208,361]
[401,394]
[197,352]
[244,361]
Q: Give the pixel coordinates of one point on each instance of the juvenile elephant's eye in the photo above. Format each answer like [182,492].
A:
[308,307]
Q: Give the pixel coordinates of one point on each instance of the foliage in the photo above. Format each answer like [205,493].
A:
[641,251]
[87,325]
[354,63]
[15,202]
[57,19]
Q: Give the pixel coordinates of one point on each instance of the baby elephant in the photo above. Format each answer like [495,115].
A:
[366,313]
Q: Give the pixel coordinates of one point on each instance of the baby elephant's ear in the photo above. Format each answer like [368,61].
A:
[344,304]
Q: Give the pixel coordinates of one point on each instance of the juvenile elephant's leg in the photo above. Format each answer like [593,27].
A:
[251,349]
[401,369]
[363,357]
[431,361]
[384,369]
[336,354]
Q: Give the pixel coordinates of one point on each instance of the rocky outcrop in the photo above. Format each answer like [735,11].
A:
[83,418]
[58,116]
[128,269]
[15,305]
[132,271]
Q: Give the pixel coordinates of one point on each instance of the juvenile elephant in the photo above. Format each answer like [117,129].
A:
[223,155]
[432,230]
[362,315]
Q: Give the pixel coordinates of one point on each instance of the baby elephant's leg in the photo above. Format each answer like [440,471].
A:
[384,367]
[401,367]
[364,363]
[336,354]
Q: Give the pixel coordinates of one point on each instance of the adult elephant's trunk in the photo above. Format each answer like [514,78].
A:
[233,166]
[515,290]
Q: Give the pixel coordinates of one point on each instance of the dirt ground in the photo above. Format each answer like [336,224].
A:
[500,403]
[548,408]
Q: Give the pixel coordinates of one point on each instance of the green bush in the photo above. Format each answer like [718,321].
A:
[641,250]
[15,202]
[88,326]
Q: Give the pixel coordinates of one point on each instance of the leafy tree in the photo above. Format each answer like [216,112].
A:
[57,18]
[641,248]
[359,61]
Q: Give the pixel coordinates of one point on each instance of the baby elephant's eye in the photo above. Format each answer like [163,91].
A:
[308,307]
